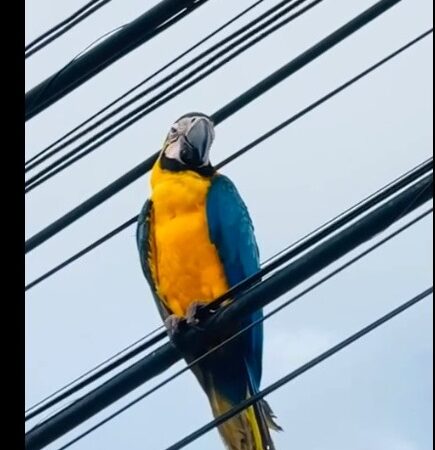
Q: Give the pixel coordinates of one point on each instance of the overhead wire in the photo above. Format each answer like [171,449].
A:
[219,116]
[259,296]
[265,394]
[275,262]
[250,326]
[170,76]
[61,28]
[43,154]
[298,372]
[236,154]
[159,99]
[64,391]
[390,183]
[152,33]
[131,36]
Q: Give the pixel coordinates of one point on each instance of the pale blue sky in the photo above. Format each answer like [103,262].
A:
[376,395]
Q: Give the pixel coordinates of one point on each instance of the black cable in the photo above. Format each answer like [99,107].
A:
[363,205]
[149,35]
[291,252]
[235,155]
[245,329]
[259,296]
[66,21]
[131,36]
[94,374]
[296,373]
[61,28]
[45,151]
[218,117]
[82,252]
[167,94]
[65,392]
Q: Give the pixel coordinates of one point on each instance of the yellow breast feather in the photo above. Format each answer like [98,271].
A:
[186,263]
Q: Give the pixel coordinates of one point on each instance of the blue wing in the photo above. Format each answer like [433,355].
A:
[143,241]
[232,232]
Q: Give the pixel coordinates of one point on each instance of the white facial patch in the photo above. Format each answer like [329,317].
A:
[172,151]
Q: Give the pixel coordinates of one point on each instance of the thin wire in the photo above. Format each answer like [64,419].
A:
[30,413]
[64,22]
[311,233]
[82,52]
[347,211]
[243,330]
[301,370]
[82,252]
[218,117]
[139,170]
[266,269]
[60,29]
[155,102]
[30,166]
[237,154]
[152,33]
[167,94]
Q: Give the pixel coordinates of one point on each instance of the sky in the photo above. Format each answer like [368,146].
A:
[375,395]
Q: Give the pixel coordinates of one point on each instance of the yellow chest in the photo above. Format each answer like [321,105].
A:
[187,265]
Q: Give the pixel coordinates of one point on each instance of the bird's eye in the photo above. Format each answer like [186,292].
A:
[173,134]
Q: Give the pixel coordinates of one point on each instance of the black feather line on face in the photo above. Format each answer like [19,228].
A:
[176,166]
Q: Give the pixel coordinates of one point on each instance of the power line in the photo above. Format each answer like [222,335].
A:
[149,35]
[120,43]
[237,154]
[296,373]
[162,97]
[219,116]
[414,174]
[406,178]
[94,374]
[61,28]
[82,252]
[245,329]
[47,402]
[275,262]
[46,153]
[255,298]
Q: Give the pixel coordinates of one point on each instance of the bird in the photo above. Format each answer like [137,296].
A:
[196,240]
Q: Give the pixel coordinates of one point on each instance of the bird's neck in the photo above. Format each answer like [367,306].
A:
[178,190]
[174,165]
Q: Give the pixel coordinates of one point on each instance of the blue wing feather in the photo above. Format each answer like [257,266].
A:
[232,232]
[143,241]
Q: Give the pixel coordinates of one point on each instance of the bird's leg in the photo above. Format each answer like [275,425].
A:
[191,312]
[172,323]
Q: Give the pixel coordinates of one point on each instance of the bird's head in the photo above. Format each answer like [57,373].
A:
[187,145]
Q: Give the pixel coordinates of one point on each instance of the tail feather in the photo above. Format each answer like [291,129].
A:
[249,430]
[269,415]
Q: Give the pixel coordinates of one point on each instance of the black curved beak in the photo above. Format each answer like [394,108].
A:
[196,143]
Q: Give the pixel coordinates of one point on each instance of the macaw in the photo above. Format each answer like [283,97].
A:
[196,240]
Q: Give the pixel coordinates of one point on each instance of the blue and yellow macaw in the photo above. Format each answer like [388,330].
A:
[195,241]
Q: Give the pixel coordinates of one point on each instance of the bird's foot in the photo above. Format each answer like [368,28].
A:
[172,323]
[191,313]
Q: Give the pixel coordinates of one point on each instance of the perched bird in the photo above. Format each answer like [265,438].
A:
[196,240]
